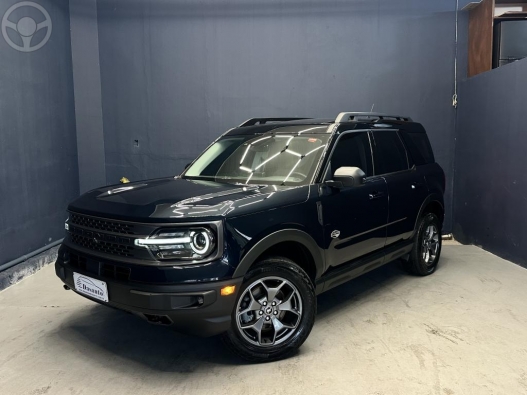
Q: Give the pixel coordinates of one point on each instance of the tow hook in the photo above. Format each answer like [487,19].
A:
[66,287]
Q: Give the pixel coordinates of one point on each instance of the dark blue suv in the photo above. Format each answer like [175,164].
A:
[271,214]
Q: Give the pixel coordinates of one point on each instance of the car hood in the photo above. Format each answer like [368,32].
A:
[167,199]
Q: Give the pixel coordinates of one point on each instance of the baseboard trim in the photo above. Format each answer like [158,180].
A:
[27,268]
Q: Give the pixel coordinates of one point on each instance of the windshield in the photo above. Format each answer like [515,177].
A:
[278,159]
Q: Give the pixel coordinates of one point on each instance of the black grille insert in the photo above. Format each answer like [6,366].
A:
[116,272]
[95,244]
[102,224]
[77,261]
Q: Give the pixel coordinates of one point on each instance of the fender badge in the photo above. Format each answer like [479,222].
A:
[335,234]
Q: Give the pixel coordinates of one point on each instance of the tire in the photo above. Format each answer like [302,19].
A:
[423,258]
[262,331]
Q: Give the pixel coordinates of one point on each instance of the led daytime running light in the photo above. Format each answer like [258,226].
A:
[157,242]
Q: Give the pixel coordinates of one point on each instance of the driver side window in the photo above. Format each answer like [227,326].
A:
[352,150]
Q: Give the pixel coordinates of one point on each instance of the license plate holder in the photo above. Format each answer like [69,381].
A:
[91,287]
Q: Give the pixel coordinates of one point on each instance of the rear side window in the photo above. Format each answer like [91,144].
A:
[390,154]
[418,147]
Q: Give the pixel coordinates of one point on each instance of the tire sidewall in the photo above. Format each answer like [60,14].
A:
[277,267]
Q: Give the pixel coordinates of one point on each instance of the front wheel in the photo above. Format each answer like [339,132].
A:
[425,253]
[274,313]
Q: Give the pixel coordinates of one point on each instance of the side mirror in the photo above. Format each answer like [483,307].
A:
[346,177]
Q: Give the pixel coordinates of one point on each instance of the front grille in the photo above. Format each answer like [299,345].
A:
[108,237]
[106,247]
[102,224]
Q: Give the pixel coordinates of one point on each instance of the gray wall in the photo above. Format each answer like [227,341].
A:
[490,207]
[175,74]
[38,157]
[87,85]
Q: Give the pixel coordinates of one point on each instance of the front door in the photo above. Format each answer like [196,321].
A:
[354,218]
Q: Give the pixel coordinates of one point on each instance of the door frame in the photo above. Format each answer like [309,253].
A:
[323,176]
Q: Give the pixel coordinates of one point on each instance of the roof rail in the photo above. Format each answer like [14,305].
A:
[262,121]
[351,116]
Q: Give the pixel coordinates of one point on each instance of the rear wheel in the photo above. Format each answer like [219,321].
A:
[425,253]
[274,312]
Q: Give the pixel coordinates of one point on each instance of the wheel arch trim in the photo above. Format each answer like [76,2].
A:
[430,199]
[280,236]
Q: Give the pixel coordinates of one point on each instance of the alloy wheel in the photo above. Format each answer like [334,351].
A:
[269,311]
[430,244]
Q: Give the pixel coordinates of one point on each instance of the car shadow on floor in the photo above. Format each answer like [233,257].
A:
[104,334]
[351,293]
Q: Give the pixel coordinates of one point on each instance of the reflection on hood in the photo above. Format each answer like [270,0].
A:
[169,198]
[197,207]
[189,210]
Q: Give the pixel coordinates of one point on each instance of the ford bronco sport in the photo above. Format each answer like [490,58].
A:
[271,214]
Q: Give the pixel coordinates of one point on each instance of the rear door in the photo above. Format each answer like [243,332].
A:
[407,188]
[354,218]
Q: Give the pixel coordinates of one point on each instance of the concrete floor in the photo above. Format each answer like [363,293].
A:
[462,330]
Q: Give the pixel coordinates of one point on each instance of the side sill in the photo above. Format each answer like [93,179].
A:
[360,266]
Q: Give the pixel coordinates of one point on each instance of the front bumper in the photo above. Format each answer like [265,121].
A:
[197,309]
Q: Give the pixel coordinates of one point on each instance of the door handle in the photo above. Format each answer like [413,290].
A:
[375,195]
[416,185]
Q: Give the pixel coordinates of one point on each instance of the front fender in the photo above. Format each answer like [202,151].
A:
[274,238]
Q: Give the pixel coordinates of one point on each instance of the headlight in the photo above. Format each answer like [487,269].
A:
[186,244]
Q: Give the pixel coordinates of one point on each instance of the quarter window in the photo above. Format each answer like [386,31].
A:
[390,155]
[419,147]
